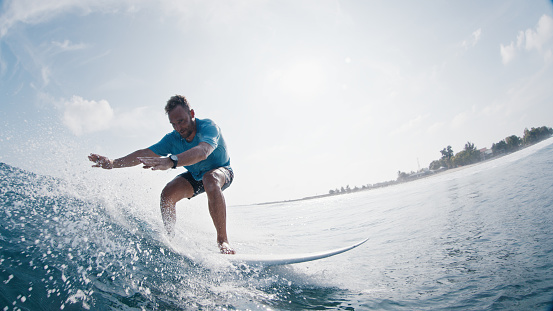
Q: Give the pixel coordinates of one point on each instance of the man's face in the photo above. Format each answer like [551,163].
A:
[183,122]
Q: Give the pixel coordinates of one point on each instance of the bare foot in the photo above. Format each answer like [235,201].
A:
[226,249]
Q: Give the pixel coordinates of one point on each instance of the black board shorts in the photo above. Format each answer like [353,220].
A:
[198,185]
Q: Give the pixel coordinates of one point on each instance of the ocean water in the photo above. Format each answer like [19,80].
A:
[479,238]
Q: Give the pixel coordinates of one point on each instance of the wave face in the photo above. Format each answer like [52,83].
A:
[71,252]
[477,238]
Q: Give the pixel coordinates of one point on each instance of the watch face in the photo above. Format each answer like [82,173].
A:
[175,160]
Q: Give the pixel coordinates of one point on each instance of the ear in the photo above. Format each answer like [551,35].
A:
[192,114]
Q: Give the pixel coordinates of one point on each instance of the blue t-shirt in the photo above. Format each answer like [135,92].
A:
[206,131]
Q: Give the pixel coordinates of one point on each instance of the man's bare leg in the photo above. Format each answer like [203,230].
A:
[176,190]
[213,181]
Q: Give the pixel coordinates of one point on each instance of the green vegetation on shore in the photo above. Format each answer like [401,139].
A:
[469,155]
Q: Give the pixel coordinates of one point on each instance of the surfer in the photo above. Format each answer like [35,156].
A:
[196,144]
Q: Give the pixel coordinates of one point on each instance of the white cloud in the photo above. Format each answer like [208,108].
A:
[474,38]
[83,116]
[538,39]
[3,65]
[459,120]
[520,39]
[37,11]
[548,56]
[436,127]
[139,119]
[409,125]
[493,110]
[67,45]
[45,75]
[508,53]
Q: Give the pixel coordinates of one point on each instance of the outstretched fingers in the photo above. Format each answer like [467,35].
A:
[154,163]
[100,161]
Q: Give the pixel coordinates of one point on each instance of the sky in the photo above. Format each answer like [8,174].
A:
[310,95]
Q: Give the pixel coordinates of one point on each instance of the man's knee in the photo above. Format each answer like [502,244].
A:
[168,193]
[212,181]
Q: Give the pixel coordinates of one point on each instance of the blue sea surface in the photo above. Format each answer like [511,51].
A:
[478,238]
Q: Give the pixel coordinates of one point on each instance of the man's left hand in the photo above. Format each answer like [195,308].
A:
[156,164]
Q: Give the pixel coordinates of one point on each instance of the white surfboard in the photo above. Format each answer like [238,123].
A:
[277,260]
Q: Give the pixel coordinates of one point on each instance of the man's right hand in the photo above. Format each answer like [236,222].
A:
[101,161]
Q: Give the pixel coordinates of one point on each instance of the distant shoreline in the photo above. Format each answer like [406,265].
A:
[384,185]
[395,182]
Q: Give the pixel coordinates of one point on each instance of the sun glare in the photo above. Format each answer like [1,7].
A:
[302,80]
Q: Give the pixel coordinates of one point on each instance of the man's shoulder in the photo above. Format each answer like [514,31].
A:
[206,124]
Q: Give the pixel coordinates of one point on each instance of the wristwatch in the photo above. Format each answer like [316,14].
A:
[175,160]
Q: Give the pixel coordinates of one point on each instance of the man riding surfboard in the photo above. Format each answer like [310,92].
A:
[196,144]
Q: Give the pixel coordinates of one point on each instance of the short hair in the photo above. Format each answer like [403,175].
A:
[177,100]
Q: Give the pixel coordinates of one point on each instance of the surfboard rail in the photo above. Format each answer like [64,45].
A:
[286,259]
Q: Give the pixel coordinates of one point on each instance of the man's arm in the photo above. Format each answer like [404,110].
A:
[126,161]
[195,155]
[189,157]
